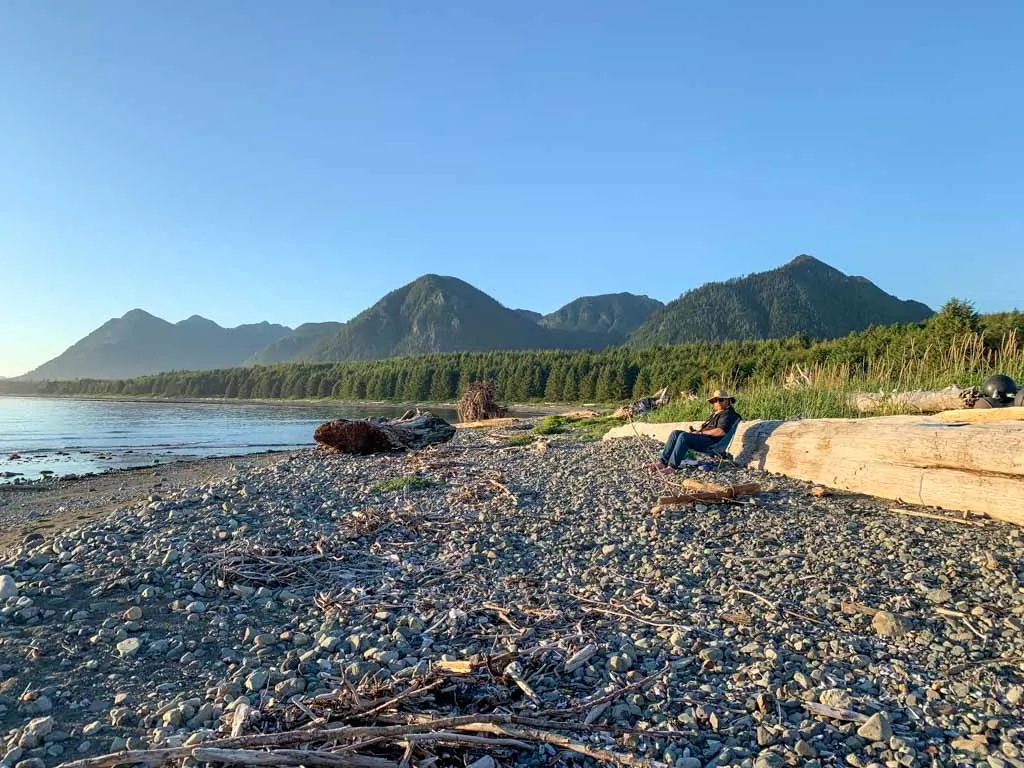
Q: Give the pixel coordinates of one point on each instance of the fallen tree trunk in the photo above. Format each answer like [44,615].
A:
[970,467]
[382,435]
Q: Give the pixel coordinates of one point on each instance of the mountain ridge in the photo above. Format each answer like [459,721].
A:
[804,296]
[439,313]
[436,313]
[139,343]
[616,314]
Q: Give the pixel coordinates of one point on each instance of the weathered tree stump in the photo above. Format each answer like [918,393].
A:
[379,435]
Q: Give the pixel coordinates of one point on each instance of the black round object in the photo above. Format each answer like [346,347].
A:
[999,387]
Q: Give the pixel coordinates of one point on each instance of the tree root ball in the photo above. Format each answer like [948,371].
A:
[355,437]
[410,433]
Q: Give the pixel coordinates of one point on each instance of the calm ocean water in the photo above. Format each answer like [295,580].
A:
[68,436]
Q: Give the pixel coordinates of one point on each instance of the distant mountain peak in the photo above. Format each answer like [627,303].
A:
[197,321]
[614,314]
[438,313]
[139,343]
[138,314]
[806,258]
[805,296]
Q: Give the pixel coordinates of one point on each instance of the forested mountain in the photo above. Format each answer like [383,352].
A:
[441,314]
[140,343]
[298,345]
[615,314]
[806,297]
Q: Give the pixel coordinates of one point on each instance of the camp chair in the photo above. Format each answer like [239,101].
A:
[720,450]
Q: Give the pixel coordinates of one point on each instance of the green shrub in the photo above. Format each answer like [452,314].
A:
[551,425]
[404,483]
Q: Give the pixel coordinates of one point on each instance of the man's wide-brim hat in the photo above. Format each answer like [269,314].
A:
[720,394]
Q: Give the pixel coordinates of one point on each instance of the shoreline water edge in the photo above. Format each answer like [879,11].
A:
[83,436]
[524,409]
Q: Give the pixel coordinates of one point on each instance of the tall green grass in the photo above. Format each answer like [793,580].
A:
[825,390]
[768,401]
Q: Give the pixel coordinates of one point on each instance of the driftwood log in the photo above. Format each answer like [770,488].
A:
[364,437]
[979,416]
[917,460]
[921,400]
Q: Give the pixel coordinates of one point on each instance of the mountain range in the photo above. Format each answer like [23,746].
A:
[435,313]
[140,343]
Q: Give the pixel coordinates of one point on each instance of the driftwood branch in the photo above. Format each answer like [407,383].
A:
[534,734]
[931,516]
[707,494]
[834,713]
[287,757]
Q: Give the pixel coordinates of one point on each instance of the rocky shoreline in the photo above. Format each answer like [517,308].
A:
[520,583]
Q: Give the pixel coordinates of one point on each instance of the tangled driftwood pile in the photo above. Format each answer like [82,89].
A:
[477,403]
[387,727]
[410,432]
[644,405]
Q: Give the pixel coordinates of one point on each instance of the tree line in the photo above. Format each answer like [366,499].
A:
[617,374]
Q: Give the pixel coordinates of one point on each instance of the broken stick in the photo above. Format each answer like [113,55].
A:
[930,516]
[724,493]
[834,713]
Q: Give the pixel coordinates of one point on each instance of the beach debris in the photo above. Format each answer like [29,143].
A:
[478,403]
[705,493]
[364,437]
[644,405]
[820,492]
[964,518]
[581,413]
[507,421]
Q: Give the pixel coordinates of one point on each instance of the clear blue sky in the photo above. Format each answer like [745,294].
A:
[295,161]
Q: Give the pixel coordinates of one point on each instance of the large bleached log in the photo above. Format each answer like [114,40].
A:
[974,467]
[383,435]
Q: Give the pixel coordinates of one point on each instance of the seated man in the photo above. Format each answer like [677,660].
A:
[711,431]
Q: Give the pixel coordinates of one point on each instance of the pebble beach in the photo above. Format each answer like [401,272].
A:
[518,604]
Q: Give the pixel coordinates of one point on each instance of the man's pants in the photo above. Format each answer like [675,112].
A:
[679,442]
